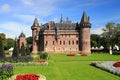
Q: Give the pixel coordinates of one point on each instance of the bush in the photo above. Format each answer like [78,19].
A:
[16,59]
[6,71]
[44,56]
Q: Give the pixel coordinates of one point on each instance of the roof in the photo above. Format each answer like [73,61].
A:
[22,35]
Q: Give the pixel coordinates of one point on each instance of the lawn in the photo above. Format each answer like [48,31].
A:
[71,70]
[94,56]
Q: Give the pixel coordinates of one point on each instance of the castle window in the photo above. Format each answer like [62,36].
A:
[64,42]
[77,42]
[53,42]
[69,42]
[72,42]
[60,42]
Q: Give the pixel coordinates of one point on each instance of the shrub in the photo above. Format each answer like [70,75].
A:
[6,71]
[16,59]
[117,64]
[44,56]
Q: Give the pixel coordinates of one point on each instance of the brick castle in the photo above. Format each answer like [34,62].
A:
[62,37]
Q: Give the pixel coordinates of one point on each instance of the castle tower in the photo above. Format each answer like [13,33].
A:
[85,26]
[34,28]
[22,40]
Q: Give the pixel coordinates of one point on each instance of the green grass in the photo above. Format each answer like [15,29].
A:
[91,57]
[71,70]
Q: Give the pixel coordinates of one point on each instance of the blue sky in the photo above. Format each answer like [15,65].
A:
[18,15]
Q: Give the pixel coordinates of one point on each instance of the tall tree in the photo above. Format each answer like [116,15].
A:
[1,48]
[23,51]
[3,36]
[109,32]
[15,50]
[10,43]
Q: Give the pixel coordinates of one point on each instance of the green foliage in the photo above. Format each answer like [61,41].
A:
[15,50]
[3,37]
[6,71]
[1,48]
[44,56]
[23,51]
[10,43]
[27,50]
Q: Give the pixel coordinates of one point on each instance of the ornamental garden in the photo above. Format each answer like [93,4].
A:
[23,65]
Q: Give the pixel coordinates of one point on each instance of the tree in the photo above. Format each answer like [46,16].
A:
[10,43]
[27,50]
[2,35]
[23,52]
[15,50]
[1,48]
[95,40]
[109,32]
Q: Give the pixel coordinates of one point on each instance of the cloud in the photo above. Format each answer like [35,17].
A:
[25,17]
[5,8]
[13,29]
[96,30]
[27,2]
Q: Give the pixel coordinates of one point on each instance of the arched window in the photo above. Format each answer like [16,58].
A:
[60,42]
[72,42]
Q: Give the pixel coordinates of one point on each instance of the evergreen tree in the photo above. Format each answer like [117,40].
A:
[23,52]
[1,48]
[27,50]
[15,50]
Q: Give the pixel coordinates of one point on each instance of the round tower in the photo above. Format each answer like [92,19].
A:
[34,28]
[85,26]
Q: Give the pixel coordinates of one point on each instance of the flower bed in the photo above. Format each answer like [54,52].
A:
[108,66]
[40,61]
[71,54]
[29,64]
[6,71]
[16,59]
[83,54]
[117,64]
[28,77]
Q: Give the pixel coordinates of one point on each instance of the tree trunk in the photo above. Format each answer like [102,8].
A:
[110,49]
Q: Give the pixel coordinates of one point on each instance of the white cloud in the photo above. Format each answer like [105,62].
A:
[27,2]
[26,18]
[5,8]
[96,30]
[13,29]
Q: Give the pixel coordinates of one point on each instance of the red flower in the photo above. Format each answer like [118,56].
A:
[117,64]
[83,54]
[71,54]
[40,61]
[27,77]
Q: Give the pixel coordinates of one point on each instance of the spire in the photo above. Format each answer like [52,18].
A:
[84,18]
[36,22]
[61,20]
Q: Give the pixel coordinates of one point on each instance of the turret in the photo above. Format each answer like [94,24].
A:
[34,28]
[84,27]
[22,40]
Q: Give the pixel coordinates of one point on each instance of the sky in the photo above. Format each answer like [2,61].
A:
[17,16]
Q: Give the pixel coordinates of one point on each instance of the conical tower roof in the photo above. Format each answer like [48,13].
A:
[85,18]
[35,22]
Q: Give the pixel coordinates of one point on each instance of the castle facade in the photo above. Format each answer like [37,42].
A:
[62,37]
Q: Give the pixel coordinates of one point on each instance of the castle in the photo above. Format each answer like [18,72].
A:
[62,37]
